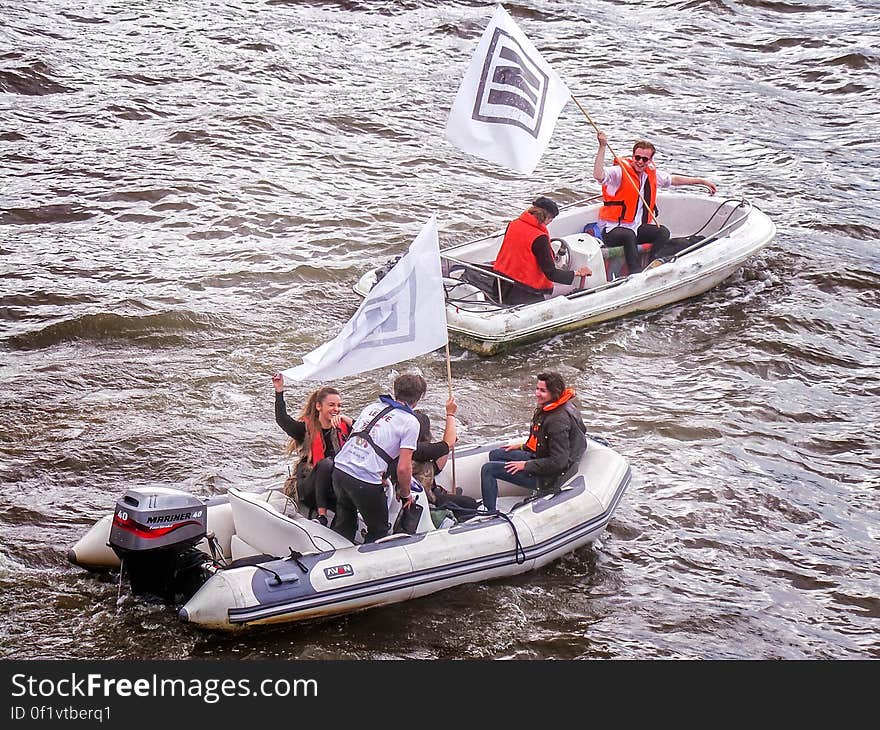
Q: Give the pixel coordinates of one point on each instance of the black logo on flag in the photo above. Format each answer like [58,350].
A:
[513,88]
[390,319]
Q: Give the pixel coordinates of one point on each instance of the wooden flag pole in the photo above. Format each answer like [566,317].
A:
[449,383]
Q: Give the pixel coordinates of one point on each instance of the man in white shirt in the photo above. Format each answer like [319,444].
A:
[385,434]
[626,186]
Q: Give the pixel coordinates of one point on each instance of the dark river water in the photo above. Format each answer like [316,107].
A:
[189,190]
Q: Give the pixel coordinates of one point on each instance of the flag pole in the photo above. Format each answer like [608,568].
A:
[449,384]
[623,169]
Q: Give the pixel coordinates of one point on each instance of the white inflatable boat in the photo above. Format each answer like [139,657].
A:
[724,234]
[246,558]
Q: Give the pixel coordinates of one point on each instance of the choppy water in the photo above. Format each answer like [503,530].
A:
[189,191]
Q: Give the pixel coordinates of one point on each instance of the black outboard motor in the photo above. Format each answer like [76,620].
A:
[154,533]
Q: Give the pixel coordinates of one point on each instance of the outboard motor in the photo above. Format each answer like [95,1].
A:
[155,531]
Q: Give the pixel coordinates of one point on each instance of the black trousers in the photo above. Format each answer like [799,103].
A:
[630,240]
[316,490]
[353,496]
[513,293]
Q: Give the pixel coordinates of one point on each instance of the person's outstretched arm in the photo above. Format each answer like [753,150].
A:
[450,431]
[687,180]
[293,428]
[404,473]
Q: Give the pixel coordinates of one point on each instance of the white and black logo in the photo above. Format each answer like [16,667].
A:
[389,319]
[513,88]
[338,571]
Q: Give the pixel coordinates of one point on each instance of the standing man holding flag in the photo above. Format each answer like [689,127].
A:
[505,112]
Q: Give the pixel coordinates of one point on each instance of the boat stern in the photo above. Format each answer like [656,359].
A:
[92,550]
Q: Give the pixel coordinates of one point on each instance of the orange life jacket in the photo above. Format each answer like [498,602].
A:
[337,436]
[516,259]
[621,206]
[532,443]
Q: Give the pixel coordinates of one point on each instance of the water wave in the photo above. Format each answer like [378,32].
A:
[46,214]
[33,80]
[106,326]
[9,566]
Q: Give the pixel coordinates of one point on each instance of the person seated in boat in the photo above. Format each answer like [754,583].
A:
[386,432]
[430,457]
[556,442]
[316,436]
[526,257]
[623,218]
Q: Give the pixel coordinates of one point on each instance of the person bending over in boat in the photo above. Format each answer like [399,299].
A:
[526,256]
[430,457]
[556,442]
[316,437]
[386,432]
[623,218]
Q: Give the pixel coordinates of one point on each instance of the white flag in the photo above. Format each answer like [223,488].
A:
[403,316]
[508,103]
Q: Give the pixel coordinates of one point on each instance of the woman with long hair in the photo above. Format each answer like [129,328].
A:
[315,437]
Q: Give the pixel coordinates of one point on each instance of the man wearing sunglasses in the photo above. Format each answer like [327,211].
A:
[626,186]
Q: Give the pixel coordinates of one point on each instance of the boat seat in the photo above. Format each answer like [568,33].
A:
[238,548]
[472,284]
[262,528]
[505,504]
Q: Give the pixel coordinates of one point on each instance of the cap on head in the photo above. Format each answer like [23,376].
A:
[546,204]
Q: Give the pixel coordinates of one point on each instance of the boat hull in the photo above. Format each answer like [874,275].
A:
[659,288]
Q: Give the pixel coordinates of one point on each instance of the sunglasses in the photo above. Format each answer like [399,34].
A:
[639,158]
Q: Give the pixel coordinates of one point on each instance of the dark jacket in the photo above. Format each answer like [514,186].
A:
[427,451]
[559,442]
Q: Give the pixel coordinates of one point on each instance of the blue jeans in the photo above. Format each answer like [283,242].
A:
[494,470]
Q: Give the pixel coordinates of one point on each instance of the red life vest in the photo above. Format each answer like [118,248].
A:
[516,259]
[318,451]
[532,443]
[621,206]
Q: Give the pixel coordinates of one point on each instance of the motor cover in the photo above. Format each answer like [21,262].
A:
[156,518]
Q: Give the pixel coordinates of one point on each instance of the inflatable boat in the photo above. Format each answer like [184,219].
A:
[714,240]
[245,558]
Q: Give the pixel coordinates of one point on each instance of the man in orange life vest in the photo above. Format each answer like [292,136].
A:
[624,219]
[527,258]
[556,441]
